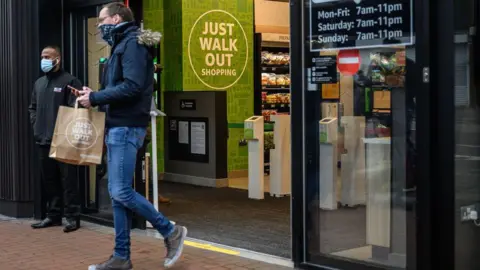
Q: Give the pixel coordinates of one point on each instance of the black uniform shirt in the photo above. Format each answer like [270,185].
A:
[49,93]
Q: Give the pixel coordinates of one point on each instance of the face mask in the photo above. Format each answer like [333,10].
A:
[106,31]
[47,65]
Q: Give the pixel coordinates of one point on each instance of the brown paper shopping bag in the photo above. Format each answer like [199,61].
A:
[78,136]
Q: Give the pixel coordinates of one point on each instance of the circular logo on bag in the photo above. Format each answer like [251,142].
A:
[81,133]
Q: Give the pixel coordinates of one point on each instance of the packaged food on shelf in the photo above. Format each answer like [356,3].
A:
[264,97]
[279,59]
[266,114]
[277,98]
[269,79]
[272,79]
[271,99]
[285,98]
[269,58]
[266,58]
[285,60]
[283,80]
[265,78]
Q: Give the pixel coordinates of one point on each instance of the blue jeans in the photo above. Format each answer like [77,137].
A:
[122,146]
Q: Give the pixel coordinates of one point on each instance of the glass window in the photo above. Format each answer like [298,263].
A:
[359,122]
[467,134]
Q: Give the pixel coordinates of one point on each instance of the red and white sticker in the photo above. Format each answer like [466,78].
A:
[348,62]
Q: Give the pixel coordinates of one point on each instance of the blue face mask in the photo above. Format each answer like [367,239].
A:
[47,65]
[106,31]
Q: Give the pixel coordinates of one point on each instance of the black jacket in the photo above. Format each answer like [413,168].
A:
[127,79]
[49,93]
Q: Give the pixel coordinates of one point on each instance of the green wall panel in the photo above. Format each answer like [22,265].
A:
[153,19]
[238,17]
[232,46]
[172,45]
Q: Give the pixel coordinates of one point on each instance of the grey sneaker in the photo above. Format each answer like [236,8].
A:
[113,264]
[174,245]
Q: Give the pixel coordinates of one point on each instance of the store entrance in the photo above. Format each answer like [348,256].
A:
[221,214]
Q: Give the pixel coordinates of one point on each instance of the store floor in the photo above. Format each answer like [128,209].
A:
[226,216]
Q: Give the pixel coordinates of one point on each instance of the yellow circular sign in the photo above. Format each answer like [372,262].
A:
[218,49]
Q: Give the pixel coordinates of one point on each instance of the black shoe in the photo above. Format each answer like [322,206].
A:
[174,244]
[113,264]
[48,222]
[73,224]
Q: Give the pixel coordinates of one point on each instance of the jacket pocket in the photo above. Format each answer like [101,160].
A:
[37,131]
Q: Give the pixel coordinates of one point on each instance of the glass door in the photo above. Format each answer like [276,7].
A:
[87,51]
[355,103]
[465,103]
[86,54]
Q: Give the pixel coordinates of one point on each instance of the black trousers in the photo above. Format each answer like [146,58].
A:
[59,186]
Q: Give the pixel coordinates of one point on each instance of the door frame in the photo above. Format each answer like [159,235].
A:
[75,61]
[430,245]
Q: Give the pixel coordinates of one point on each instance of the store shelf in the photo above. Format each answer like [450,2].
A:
[275,105]
[282,69]
[379,86]
[381,111]
[275,88]
[278,107]
[272,77]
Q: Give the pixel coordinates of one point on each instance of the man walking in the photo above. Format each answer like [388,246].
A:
[59,181]
[126,98]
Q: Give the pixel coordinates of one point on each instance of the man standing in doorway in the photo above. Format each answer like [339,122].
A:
[59,180]
[126,97]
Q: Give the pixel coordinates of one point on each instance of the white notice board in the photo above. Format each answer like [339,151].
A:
[198,136]
[183,132]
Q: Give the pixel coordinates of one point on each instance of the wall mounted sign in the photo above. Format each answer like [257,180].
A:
[188,104]
[324,69]
[348,62]
[218,49]
[331,91]
[198,135]
[347,24]
[189,141]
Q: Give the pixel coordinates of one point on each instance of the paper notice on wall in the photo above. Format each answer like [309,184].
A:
[197,133]
[183,132]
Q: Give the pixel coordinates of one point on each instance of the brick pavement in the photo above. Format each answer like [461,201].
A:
[22,248]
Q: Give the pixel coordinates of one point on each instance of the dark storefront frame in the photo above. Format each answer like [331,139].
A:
[431,244]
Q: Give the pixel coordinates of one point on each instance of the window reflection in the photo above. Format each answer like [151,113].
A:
[467,131]
[361,188]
